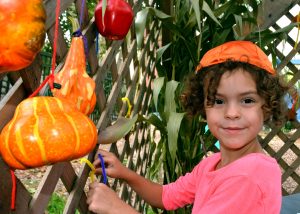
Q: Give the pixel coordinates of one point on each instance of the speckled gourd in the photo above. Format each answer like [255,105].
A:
[76,85]
[46,130]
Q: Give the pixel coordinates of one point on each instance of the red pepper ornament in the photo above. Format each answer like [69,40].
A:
[117,19]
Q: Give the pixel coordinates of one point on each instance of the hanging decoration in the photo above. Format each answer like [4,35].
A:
[22,33]
[76,85]
[43,130]
[118,17]
[46,130]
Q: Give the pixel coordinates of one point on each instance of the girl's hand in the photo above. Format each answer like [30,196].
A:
[113,167]
[101,199]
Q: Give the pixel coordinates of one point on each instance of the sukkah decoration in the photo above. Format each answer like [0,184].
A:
[76,85]
[46,130]
[22,33]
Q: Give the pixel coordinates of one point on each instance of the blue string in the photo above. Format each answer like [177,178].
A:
[97,42]
[103,168]
[81,13]
[78,33]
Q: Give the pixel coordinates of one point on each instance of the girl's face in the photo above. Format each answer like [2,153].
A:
[236,116]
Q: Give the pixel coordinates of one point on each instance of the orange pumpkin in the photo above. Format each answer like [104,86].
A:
[76,85]
[46,130]
[22,33]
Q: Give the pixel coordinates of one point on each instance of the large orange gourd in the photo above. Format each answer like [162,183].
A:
[22,26]
[76,85]
[46,130]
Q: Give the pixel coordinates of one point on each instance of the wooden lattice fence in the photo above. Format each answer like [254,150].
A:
[277,141]
[129,72]
[122,71]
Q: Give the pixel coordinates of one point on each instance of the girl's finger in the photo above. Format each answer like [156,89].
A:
[98,171]
[93,185]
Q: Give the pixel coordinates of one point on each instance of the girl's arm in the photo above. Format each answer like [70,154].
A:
[151,192]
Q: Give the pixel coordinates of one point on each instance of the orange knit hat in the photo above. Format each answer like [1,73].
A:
[242,51]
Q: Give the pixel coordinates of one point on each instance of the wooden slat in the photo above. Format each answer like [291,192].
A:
[50,7]
[77,192]
[102,123]
[22,195]
[290,169]
[288,58]
[9,103]
[69,178]
[42,196]
[85,16]
[273,10]
[31,75]
[62,47]
[90,32]
[106,63]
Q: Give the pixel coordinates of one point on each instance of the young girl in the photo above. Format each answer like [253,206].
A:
[236,90]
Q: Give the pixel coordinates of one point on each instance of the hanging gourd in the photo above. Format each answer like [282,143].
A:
[46,130]
[22,33]
[76,85]
[118,17]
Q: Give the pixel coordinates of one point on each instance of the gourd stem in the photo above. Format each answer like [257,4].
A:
[78,33]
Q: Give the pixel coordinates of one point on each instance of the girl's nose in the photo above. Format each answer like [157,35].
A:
[232,111]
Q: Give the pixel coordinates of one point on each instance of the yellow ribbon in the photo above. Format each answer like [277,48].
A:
[125,99]
[93,170]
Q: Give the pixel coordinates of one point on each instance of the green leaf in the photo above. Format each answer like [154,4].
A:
[140,24]
[161,51]
[209,12]
[170,104]
[158,83]
[223,8]
[158,160]
[238,29]
[159,14]
[141,20]
[116,131]
[195,5]
[173,126]
[156,121]
[161,71]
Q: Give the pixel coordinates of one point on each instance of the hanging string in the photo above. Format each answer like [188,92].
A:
[81,13]
[97,42]
[13,190]
[50,79]
[78,32]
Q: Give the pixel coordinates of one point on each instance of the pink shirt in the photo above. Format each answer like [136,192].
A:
[251,184]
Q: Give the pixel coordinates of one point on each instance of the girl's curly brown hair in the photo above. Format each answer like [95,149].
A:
[268,86]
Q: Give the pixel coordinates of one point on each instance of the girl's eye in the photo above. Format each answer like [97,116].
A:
[248,100]
[218,101]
